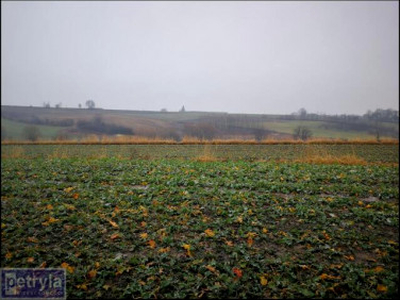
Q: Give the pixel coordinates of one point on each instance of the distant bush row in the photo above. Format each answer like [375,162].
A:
[97,125]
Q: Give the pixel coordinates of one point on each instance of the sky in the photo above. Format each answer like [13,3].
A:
[260,57]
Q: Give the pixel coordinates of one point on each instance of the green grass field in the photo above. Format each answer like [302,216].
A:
[15,130]
[318,131]
[162,226]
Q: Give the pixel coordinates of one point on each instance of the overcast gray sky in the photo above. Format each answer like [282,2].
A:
[252,57]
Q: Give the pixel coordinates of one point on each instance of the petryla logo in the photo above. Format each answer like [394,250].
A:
[33,283]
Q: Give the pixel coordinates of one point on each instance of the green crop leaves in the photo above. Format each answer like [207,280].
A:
[169,228]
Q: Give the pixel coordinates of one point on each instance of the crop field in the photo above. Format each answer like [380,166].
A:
[174,221]
[380,153]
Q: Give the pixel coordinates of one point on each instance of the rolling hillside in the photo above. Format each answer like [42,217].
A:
[68,123]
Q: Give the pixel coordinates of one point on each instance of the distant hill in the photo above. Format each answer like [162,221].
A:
[69,123]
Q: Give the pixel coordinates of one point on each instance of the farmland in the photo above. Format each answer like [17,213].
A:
[74,124]
[174,221]
[378,153]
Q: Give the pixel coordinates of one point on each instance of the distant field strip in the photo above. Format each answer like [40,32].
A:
[289,153]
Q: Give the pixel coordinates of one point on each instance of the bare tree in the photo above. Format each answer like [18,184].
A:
[302,132]
[31,133]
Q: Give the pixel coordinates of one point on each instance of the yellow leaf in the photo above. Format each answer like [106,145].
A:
[113,224]
[52,220]
[8,255]
[68,189]
[336,266]
[3,225]
[43,265]
[92,274]
[106,287]
[265,230]
[282,233]
[326,236]
[210,268]
[229,243]
[49,221]
[115,236]
[378,269]
[66,266]
[49,206]
[350,257]
[122,270]
[326,276]
[162,232]
[70,207]
[250,241]
[304,267]
[32,240]
[187,248]
[144,211]
[144,235]
[239,220]
[30,259]
[75,196]
[152,244]
[263,280]
[82,286]
[381,288]
[67,227]
[164,250]
[97,264]
[251,234]
[143,224]
[209,232]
